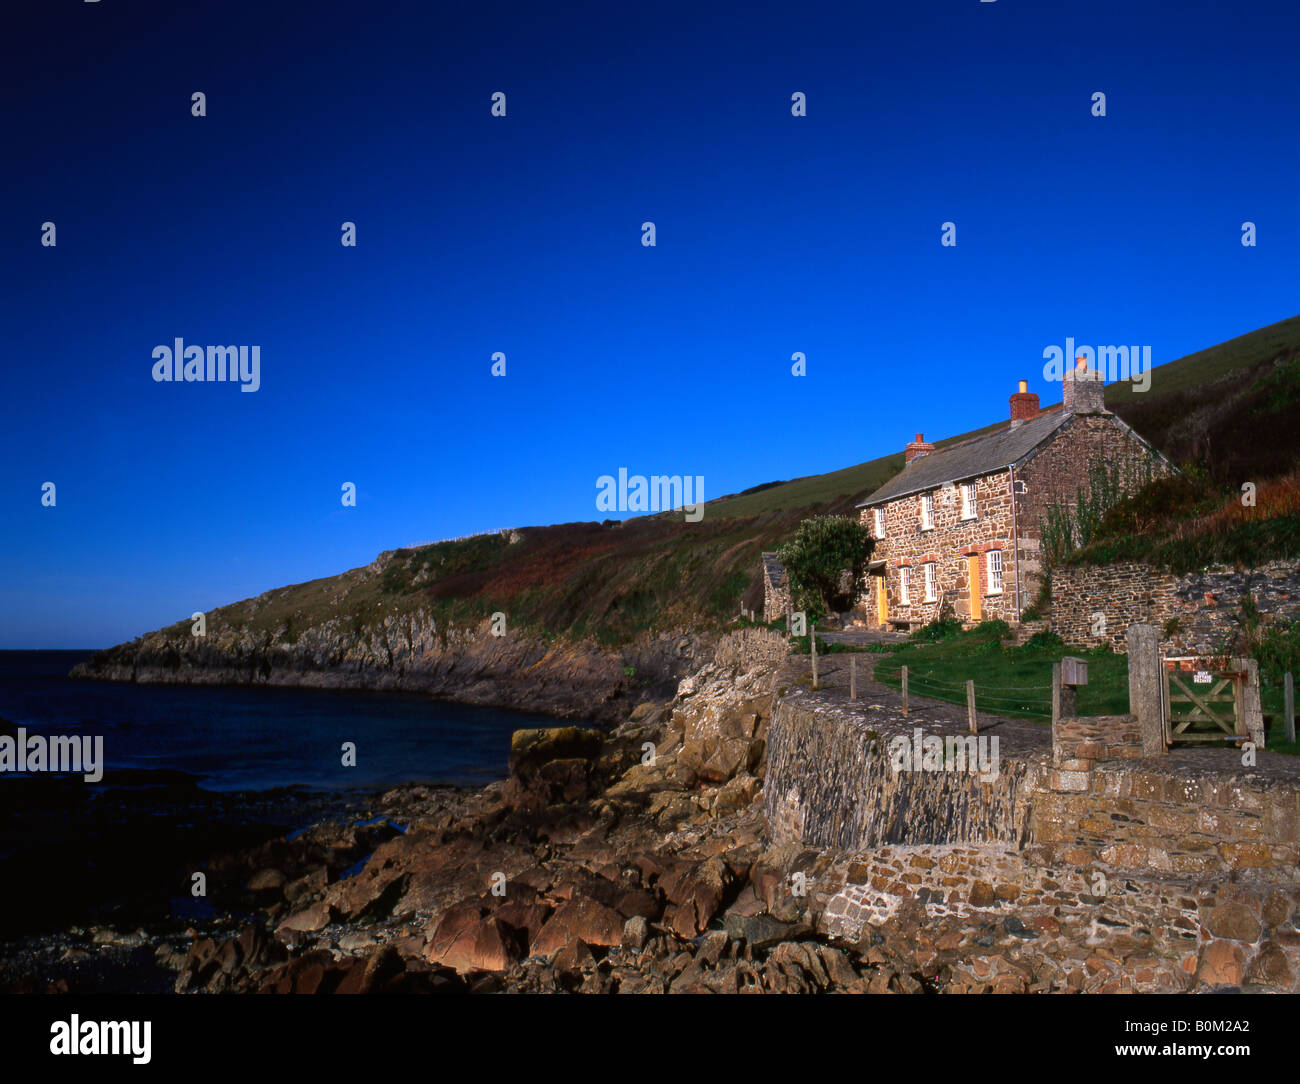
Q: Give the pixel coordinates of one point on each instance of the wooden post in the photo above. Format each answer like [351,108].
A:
[1288,706]
[970,707]
[904,690]
[812,646]
[1252,711]
[1145,699]
[1238,700]
[853,677]
[1056,695]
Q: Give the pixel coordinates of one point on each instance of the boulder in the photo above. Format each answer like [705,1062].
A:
[636,931]
[697,891]
[530,750]
[579,920]
[528,917]
[370,892]
[267,880]
[762,931]
[312,884]
[574,957]
[309,919]
[467,942]
[722,736]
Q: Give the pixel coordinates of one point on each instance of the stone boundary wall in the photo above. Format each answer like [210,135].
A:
[748,649]
[1202,931]
[829,782]
[776,588]
[1192,870]
[1080,742]
[1137,816]
[1205,604]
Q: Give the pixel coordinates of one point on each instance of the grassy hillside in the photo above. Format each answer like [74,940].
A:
[834,493]
[1203,406]
[1232,409]
[609,581]
[604,581]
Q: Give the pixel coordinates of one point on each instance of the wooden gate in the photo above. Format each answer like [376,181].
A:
[1212,699]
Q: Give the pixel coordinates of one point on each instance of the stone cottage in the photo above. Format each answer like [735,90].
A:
[958,530]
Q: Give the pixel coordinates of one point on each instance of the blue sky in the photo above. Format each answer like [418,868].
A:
[522,234]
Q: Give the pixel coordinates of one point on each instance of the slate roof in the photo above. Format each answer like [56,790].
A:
[970,459]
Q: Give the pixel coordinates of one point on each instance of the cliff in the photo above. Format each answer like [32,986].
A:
[413,654]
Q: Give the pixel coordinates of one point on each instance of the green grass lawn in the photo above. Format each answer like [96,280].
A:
[1008,680]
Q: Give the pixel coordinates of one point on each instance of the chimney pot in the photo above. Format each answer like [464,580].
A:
[1024,405]
[1084,390]
[916,449]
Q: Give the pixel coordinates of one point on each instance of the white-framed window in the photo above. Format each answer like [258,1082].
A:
[904,594]
[931,581]
[995,572]
[927,511]
[968,510]
[880,523]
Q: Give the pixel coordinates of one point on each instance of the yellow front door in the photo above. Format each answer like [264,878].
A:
[973,580]
[882,601]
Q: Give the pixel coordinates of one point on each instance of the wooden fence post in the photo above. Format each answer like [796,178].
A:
[970,707]
[812,645]
[853,677]
[1251,709]
[904,690]
[1145,678]
[1288,706]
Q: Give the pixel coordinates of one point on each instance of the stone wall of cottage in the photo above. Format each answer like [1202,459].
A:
[948,544]
[1057,470]
[1196,614]
[1054,473]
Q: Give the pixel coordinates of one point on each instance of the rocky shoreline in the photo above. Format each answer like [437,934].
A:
[644,859]
[632,861]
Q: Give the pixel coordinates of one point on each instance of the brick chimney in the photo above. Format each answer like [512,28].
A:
[916,449]
[1085,390]
[1024,405]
